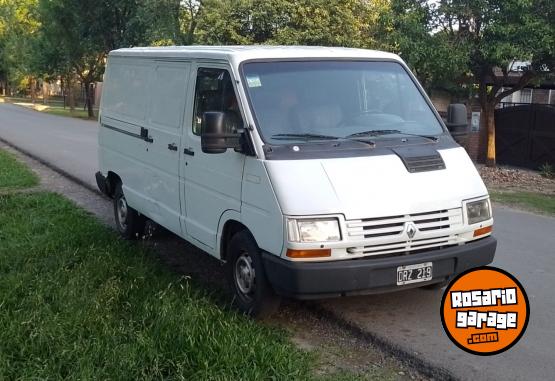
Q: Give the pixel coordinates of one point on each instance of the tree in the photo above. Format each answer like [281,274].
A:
[409,30]
[76,36]
[494,33]
[71,28]
[18,24]
[302,22]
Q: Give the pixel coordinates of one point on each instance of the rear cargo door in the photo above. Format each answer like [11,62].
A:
[166,112]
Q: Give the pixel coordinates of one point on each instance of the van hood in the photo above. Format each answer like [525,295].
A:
[372,186]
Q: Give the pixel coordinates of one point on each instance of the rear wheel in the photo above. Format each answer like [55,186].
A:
[253,294]
[129,222]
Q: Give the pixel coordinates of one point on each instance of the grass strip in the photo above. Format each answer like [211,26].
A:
[77,302]
[60,111]
[528,200]
[53,108]
[14,174]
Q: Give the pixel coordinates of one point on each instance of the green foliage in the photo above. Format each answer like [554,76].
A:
[547,171]
[412,33]
[496,32]
[68,34]
[461,42]
[287,22]
[78,303]
[18,24]
[13,174]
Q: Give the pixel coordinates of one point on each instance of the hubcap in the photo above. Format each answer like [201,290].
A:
[244,274]
[122,212]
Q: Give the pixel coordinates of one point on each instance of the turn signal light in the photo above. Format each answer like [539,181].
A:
[482,231]
[318,253]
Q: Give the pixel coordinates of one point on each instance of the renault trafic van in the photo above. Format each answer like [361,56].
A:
[310,172]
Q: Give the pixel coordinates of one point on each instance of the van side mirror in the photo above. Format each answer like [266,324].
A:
[214,138]
[457,116]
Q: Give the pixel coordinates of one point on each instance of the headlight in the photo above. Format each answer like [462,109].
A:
[478,211]
[313,230]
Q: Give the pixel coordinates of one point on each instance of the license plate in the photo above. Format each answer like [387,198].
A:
[420,272]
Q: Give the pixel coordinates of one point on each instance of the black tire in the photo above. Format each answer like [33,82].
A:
[130,224]
[253,294]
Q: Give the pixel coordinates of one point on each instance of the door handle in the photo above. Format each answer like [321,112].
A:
[172,147]
[189,151]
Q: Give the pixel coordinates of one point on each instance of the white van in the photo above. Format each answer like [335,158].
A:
[311,172]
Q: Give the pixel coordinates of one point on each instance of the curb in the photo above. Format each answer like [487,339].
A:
[54,168]
[419,364]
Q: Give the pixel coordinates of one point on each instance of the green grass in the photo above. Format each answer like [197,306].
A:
[13,174]
[54,107]
[60,111]
[535,201]
[77,302]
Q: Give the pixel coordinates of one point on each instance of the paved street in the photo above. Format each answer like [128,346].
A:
[409,320]
[526,248]
[69,144]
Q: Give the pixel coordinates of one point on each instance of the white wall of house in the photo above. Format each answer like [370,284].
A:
[521,96]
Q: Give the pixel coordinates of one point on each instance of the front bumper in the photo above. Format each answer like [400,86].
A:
[314,280]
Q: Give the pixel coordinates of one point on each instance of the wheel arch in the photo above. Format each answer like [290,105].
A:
[230,225]
[112,180]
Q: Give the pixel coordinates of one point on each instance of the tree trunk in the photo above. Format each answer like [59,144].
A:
[88,99]
[70,95]
[45,88]
[33,89]
[489,118]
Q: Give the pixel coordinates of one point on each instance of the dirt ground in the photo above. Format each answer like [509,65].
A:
[516,179]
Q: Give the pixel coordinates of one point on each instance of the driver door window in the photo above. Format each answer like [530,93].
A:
[214,92]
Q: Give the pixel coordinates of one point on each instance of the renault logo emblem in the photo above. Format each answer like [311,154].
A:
[411,230]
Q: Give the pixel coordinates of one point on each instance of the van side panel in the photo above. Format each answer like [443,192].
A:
[145,97]
[123,112]
[260,210]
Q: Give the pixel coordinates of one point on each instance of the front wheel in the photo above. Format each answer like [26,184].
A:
[129,222]
[253,294]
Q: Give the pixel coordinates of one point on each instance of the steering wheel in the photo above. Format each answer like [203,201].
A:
[359,114]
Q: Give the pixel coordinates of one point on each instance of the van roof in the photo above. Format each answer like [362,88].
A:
[246,52]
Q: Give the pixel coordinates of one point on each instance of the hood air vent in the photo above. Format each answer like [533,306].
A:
[420,159]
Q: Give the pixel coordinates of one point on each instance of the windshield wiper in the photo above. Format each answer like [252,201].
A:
[306,136]
[372,133]
[387,132]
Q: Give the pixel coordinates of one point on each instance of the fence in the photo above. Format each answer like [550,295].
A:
[525,134]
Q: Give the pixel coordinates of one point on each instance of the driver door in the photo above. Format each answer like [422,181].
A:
[212,182]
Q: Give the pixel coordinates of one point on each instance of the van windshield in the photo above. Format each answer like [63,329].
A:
[326,100]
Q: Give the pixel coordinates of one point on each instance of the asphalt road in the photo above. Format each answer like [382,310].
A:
[408,320]
[69,144]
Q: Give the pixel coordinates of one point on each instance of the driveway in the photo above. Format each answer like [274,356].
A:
[407,320]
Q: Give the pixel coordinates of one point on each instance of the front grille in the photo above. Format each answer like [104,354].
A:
[385,235]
